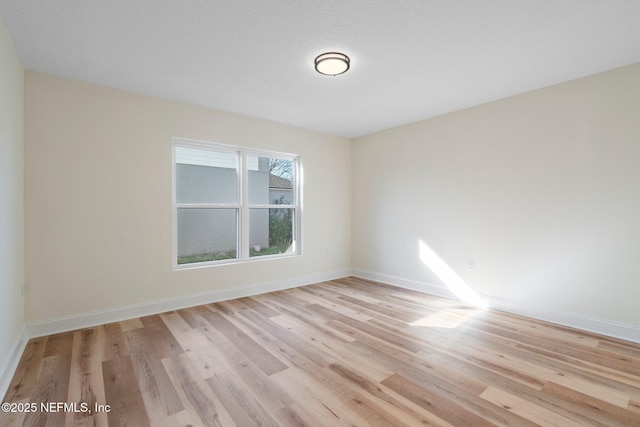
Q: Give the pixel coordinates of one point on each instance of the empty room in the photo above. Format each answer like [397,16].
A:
[305,213]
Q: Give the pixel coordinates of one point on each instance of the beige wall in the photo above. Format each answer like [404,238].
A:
[542,190]
[98,198]
[11,197]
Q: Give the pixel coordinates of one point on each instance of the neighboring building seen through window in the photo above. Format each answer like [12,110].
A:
[232,204]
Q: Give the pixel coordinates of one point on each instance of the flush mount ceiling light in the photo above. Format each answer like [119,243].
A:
[332,63]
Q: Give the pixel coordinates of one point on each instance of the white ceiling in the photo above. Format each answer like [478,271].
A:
[410,59]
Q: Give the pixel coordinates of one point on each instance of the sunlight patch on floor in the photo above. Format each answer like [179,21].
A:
[447,318]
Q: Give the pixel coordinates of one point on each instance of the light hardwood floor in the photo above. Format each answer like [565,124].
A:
[342,353]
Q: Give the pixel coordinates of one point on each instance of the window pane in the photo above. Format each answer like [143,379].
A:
[207,235]
[204,176]
[270,181]
[271,231]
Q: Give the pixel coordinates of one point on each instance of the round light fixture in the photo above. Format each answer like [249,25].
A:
[332,63]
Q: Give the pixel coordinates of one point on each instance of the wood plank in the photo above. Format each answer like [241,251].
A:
[376,389]
[526,410]
[23,381]
[296,415]
[193,316]
[257,306]
[292,347]
[458,386]
[365,327]
[85,379]
[323,341]
[223,357]
[558,361]
[315,295]
[58,345]
[163,341]
[211,352]
[316,398]
[122,394]
[620,347]
[196,394]
[598,391]
[434,403]
[268,363]
[52,384]
[461,360]
[131,324]
[157,390]
[587,354]
[241,405]
[114,344]
[594,409]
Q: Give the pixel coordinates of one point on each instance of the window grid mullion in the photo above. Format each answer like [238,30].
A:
[297,191]
[206,206]
[244,210]
[272,206]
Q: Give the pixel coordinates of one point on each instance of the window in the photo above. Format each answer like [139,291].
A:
[233,204]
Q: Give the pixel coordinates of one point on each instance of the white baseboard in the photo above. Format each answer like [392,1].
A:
[86,320]
[609,328]
[8,366]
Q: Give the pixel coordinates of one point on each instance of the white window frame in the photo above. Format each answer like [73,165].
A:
[243,207]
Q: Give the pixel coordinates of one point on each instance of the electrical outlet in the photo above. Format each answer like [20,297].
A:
[471,264]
